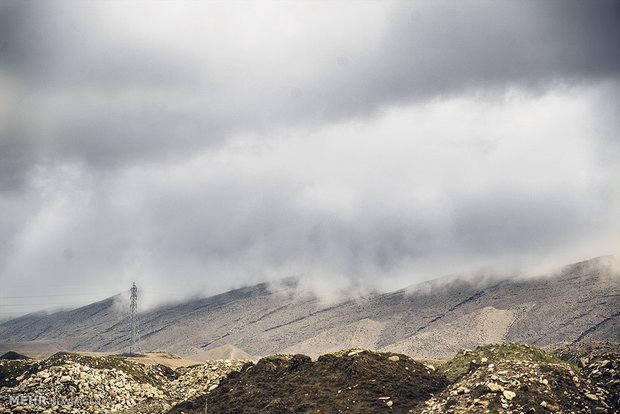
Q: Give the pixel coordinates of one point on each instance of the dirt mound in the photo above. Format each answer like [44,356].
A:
[39,349]
[157,375]
[13,371]
[70,382]
[355,381]
[191,382]
[513,386]
[579,352]
[599,362]
[509,378]
[164,358]
[13,356]
[467,359]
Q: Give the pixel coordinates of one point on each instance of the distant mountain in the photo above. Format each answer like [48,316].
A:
[434,320]
[222,352]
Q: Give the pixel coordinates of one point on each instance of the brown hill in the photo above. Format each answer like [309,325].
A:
[356,381]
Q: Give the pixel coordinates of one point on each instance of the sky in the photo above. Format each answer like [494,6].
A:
[195,147]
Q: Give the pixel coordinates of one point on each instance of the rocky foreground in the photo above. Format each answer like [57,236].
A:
[508,378]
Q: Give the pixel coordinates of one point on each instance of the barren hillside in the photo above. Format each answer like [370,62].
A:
[578,304]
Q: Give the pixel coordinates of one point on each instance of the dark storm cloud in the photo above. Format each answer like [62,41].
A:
[65,51]
[107,95]
[498,45]
[431,49]
[227,143]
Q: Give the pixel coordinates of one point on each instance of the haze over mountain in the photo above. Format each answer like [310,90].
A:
[580,303]
[197,147]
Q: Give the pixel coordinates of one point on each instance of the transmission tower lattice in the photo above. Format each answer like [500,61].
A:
[133,309]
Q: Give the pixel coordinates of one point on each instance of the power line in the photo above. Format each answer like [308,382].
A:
[95,293]
[43,304]
[49,296]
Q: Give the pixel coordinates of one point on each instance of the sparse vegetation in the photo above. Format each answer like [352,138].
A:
[354,380]
[510,378]
[466,359]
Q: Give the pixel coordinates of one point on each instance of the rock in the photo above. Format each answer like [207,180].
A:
[591,397]
[483,403]
[494,387]
[389,403]
[394,358]
[532,382]
[509,395]
[65,378]
[462,390]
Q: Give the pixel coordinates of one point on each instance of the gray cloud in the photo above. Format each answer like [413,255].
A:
[64,45]
[366,141]
[118,96]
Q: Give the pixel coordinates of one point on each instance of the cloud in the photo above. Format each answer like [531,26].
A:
[382,143]
[498,182]
[110,83]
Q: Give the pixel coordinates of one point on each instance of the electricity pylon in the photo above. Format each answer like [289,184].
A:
[133,309]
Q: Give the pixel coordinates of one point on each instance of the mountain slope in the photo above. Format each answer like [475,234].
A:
[578,304]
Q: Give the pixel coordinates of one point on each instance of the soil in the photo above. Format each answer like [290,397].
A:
[352,381]
[513,386]
[466,359]
[575,352]
[599,362]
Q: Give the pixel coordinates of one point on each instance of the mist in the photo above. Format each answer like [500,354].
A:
[195,148]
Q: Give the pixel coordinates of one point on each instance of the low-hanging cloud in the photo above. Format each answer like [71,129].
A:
[381,143]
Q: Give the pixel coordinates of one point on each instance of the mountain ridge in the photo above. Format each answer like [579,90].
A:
[578,303]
